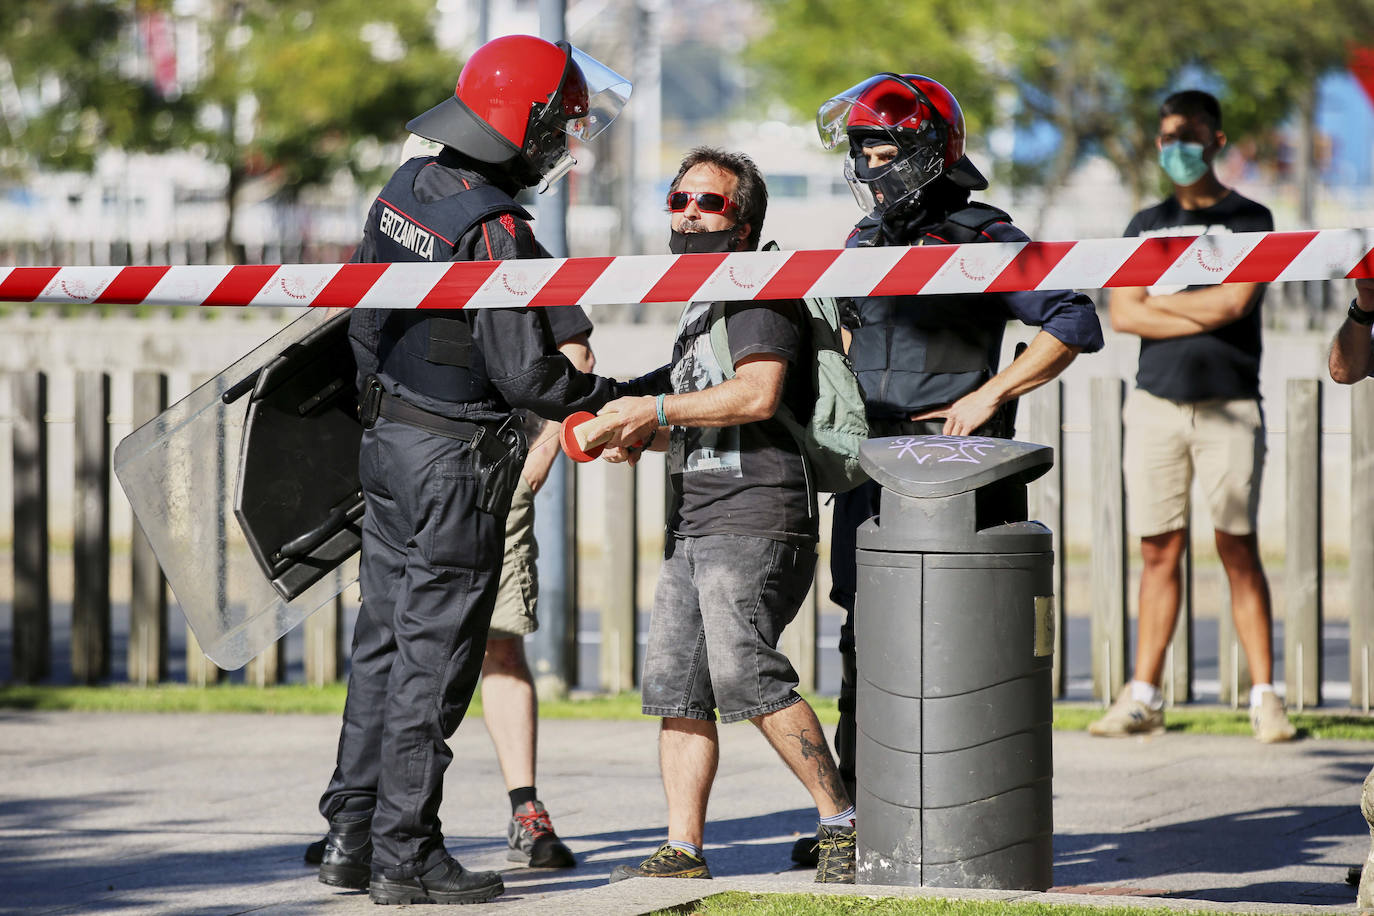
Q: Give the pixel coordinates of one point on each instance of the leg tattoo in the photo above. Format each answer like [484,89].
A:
[829,777]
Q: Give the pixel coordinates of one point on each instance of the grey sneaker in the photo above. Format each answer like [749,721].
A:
[1270,720]
[532,840]
[1128,716]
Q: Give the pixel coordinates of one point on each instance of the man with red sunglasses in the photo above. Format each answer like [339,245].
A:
[740,550]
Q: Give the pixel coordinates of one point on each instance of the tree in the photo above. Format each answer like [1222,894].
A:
[290,90]
[74,90]
[300,89]
[1092,70]
[815,48]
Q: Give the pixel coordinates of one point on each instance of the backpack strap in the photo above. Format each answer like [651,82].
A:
[720,342]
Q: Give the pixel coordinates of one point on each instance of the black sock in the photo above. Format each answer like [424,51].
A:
[519,796]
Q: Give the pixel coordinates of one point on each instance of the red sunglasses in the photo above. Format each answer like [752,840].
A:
[707,201]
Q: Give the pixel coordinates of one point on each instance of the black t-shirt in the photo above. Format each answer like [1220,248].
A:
[1222,363]
[748,479]
[567,321]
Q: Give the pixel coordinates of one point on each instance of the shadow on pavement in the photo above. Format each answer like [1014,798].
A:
[1257,841]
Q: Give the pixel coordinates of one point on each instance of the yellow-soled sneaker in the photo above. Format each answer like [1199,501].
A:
[667,862]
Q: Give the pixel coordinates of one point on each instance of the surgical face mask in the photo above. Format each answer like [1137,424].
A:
[1183,162]
[699,242]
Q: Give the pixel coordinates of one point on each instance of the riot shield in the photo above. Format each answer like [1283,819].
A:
[248,490]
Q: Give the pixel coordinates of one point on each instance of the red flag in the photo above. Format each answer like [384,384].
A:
[1362,67]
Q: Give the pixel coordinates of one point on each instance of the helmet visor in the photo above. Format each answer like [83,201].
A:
[833,117]
[606,93]
[896,139]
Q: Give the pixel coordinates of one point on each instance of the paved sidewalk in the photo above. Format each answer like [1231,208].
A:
[152,814]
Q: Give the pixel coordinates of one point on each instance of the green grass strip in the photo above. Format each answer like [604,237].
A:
[736,903]
[299,699]
[1211,720]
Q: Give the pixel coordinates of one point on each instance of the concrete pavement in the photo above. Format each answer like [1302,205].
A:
[154,814]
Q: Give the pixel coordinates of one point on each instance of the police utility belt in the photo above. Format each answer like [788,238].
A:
[498,450]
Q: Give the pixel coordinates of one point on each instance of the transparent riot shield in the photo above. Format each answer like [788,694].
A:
[247,489]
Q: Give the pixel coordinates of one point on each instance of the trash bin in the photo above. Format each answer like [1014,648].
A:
[955,635]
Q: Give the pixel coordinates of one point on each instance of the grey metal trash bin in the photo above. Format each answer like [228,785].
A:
[954,634]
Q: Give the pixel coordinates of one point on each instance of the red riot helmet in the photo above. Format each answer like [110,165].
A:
[918,116]
[517,101]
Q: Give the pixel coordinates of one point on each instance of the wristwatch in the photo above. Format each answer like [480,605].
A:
[1359,315]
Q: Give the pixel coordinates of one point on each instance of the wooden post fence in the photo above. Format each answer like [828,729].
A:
[200,671]
[148,595]
[1302,630]
[91,531]
[1177,683]
[1044,413]
[1043,421]
[1361,545]
[619,612]
[799,639]
[32,601]
[1109,667]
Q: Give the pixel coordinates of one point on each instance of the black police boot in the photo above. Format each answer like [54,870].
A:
[347,857]
[314,853]
[447,882]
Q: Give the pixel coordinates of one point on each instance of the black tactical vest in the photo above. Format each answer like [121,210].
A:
[915,352]
[428,351]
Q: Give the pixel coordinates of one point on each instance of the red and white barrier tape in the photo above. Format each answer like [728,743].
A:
[972,268]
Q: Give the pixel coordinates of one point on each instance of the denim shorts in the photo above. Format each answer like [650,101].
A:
[721,606]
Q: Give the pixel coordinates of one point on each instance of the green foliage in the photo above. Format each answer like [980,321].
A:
[814,49]
[299,698]
[1094,70]
[289,90]
[69,60]
[1196,720]
[329,81]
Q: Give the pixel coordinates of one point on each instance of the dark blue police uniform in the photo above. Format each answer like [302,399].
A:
[915,353]
[445,381]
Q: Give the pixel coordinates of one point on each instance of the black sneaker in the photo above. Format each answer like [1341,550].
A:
[447,882]
[668,862]
[532,840]
[314,853]
[805,851]
[836,847]
[347,857]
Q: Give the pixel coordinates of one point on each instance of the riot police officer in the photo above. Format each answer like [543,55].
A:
[928,364]
[440,454]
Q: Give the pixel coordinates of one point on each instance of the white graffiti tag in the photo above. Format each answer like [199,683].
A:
[969,449]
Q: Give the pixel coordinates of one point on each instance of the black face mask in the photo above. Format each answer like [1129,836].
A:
[702,242]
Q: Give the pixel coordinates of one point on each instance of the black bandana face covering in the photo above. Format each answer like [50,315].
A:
[702,242]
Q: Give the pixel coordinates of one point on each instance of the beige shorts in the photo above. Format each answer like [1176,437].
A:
[518,593]
[1167,443]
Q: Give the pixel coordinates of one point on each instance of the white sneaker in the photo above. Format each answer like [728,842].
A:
[1270,720]
[1128,716]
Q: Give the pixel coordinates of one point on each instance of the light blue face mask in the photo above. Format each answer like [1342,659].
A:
[1183,162]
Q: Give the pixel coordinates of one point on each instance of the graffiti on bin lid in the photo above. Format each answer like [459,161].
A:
[940,449]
